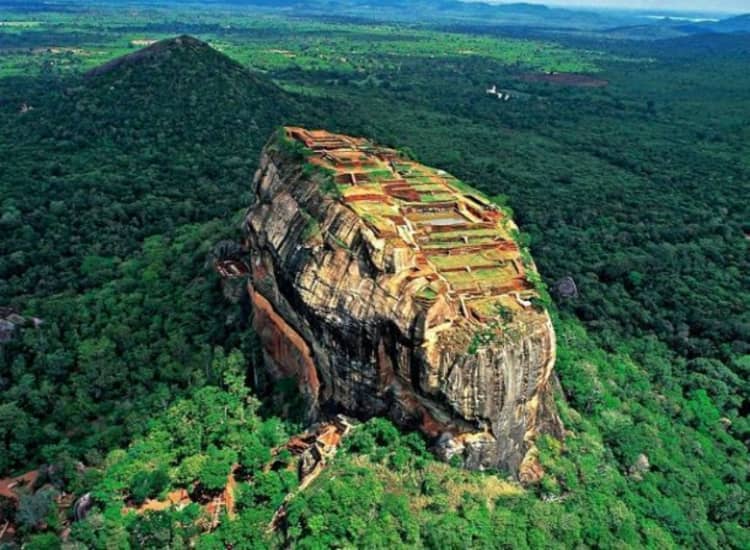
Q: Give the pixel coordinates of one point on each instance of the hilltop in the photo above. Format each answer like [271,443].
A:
[171,122]
[158,52]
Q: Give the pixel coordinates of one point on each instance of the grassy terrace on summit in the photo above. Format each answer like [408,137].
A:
[440,230]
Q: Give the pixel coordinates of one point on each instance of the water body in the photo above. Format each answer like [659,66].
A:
[682,18]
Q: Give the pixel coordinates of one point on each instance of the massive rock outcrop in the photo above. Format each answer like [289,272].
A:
[385,287]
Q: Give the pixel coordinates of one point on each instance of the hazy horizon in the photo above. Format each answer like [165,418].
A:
[725,6]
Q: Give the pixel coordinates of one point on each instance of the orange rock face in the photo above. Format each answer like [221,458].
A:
[284,347]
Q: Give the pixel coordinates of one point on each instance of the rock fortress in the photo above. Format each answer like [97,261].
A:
[386,287]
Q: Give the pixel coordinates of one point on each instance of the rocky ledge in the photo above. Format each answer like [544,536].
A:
[385,287]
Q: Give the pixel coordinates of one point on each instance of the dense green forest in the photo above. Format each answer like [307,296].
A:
[385,489]
[118,183]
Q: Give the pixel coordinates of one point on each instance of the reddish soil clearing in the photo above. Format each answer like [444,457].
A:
[10,485]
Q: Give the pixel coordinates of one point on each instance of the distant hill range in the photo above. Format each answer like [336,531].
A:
[740,23]
[525,14]
[479,15]
[676,27]
[538,16]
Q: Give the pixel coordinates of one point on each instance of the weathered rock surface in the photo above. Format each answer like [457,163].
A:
[388,288]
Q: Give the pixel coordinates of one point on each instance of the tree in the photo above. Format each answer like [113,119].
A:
[216,468]
[148,484]
[34,509]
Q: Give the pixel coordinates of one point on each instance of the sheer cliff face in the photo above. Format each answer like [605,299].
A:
[389,288]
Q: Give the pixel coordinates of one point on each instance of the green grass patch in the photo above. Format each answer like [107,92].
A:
[427,293]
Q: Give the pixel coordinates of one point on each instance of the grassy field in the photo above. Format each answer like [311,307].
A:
[59,42]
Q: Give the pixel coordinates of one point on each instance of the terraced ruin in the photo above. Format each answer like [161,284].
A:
[437,228]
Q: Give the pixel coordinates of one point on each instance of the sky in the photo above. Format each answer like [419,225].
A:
[734,6]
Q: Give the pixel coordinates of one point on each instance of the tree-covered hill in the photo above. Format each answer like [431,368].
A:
[109,209]
[160,138]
